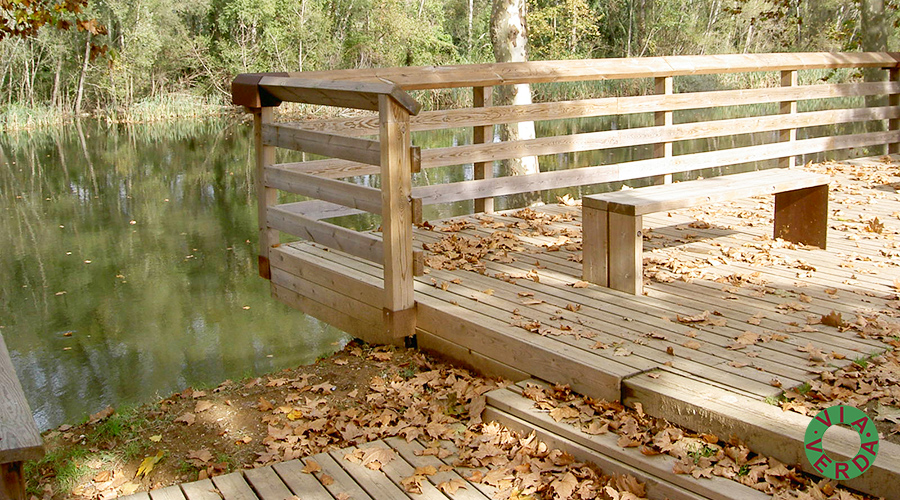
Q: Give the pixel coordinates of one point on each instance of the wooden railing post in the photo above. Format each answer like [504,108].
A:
[481,97]
[266,197]
[789,78]
[663,85]
[396,222]
[894,100]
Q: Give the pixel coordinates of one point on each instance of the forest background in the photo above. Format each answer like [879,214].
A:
[134,59]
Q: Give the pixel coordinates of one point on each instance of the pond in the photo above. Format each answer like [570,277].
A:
[129,267]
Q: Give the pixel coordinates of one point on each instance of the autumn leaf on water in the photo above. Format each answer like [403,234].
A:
[147,464]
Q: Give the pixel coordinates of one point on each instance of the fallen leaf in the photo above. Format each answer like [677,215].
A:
[202,406]
[100,415]
[326,480]
[427,470]
[564,486]
[147,464]
[187,418]
[264,405]
[692,344]
[311,467]
[833,319]
[451,486]
[413,484]
[581,284]
[157,438]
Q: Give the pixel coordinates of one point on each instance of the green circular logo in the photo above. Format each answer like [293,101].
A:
[858,421]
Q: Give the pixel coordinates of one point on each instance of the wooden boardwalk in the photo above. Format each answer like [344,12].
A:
[732,307]
[329,476]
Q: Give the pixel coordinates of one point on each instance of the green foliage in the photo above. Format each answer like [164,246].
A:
[159,48]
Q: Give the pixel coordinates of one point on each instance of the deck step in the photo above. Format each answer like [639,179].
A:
[509,407]
[766,429]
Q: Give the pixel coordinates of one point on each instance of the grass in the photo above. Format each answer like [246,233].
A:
[20,117]
[118,434]
[167,107]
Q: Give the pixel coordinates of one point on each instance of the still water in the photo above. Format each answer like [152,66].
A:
[128,266]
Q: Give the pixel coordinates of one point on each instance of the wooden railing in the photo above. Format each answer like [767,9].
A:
[395,159]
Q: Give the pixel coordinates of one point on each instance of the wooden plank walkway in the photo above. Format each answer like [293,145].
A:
[522,316]
[329,476]
[727,311]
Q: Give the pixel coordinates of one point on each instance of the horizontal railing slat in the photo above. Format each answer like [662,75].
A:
[363,245]
[321,143]
[485,75]
[501,186]
[458,155]
[605,106]
[330,190]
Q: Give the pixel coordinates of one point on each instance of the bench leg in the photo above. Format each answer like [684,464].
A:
[594,246]
[12,481]
[801,216]
[626,245]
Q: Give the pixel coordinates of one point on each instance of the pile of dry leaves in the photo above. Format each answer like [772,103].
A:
[700,455]
[359,395]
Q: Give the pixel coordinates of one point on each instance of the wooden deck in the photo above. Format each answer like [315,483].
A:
[328,476]
[728,318]
[523,316]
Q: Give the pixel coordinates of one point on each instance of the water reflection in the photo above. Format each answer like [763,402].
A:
[128,267]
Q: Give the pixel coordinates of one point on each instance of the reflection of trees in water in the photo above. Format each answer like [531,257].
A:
[161,303]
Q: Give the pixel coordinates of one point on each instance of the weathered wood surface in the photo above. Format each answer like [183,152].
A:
[320,143]
[19,437]
[485,75]
[337,192]
[603,106]
[510,407]
[766,429]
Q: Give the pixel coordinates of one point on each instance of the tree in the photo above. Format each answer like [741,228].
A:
[510,40]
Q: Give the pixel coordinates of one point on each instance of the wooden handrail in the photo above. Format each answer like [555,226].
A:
[486,75]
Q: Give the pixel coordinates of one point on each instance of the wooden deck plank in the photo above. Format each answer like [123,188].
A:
[267,484]
[303,484]
[233,487]
[342,482]
[766,429]
[518,412]
[398,469]
[407,451]
[376,483]
[167,493]
[203,489]
[136,496]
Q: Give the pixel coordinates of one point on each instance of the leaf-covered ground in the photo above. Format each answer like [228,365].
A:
[362,394]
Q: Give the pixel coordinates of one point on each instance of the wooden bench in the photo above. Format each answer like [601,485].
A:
[613,244]
[19,436]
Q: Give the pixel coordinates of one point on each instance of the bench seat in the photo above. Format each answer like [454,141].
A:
[613,243]
[19,436]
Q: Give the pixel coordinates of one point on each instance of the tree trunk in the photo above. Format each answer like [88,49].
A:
[874,32]
[509,38]
[84,67]
[54,98]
